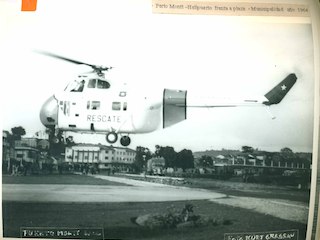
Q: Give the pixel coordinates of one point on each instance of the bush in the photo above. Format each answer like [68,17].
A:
[174,218]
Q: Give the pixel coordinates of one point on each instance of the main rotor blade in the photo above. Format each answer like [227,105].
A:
[63,58]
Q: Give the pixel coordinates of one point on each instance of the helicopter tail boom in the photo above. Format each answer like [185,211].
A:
[176,102]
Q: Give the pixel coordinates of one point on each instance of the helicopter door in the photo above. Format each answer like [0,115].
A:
[64,113]
[71,114]
[174,107]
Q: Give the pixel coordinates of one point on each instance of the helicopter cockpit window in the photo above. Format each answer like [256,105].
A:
[75,86]
[97,83]
[103,84]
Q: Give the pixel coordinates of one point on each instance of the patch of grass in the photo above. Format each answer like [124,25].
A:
[225,187]
[115,219]
[227,222]
[244,189]
[58,179]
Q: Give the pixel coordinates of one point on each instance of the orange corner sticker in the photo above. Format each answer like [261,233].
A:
[29,5]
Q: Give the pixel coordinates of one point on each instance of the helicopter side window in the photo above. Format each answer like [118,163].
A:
[116,106]
[103,84]
[92,83]
[93,105]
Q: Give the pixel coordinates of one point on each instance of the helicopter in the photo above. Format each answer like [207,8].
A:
[93,104]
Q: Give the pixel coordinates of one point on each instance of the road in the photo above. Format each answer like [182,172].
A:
[136,191]
[140,191]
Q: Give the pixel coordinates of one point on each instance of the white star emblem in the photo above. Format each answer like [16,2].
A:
[283,87]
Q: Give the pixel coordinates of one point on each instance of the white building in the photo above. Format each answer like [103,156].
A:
[106,157]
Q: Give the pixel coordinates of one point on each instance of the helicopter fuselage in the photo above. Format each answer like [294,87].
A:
[106,111]
[90,105]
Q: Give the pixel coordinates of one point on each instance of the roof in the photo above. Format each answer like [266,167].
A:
[220,164]
[156,159]
[26,148]
[102,146]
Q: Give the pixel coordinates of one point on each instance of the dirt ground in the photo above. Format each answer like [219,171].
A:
[250,208]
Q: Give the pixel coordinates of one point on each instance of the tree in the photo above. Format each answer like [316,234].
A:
[205,161]
[288,155]
[169,154]
[185,159]
[157,151]
[143,154]
[17,132]
[286,150]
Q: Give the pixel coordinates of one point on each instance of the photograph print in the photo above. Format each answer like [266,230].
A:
[121,123]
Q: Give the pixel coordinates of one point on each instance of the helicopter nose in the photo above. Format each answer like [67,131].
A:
[49,112]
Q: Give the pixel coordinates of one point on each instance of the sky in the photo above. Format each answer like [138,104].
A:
[210,55]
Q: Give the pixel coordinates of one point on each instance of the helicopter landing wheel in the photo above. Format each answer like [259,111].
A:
[111,137]
[125,141]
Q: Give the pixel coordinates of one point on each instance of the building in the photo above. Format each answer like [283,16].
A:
[5,146]
[102,156]
[27,142]
[26,152]
[7,151]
